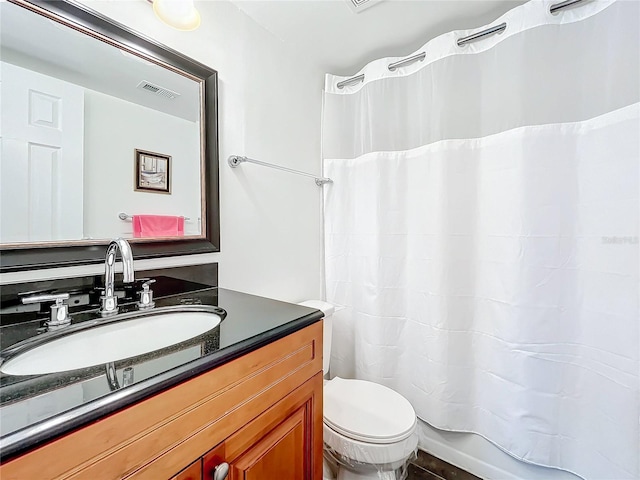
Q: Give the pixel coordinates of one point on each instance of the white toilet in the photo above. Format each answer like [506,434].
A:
[369,429]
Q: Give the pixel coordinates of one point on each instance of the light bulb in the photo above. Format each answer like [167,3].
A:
[179,14]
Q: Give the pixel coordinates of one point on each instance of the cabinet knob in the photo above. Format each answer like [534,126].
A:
[221,471]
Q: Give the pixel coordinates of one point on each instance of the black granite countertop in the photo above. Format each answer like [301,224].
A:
[36,409]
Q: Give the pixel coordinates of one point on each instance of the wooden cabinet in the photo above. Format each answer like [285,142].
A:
[204,467]
[192,472]
[280,443]
[280,454]
[260,413]
[212,460]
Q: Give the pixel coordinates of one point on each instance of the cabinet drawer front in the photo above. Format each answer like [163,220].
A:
[211,405]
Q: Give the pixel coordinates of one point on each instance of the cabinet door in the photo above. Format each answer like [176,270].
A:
[210,461]
[284,442]
[281,454]
[192,472]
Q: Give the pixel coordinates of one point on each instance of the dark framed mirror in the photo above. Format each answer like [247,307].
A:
[105,133]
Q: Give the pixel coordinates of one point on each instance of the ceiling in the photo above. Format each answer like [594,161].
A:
[339,41]
[33,42]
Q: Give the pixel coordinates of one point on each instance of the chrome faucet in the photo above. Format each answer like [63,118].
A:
[109,300]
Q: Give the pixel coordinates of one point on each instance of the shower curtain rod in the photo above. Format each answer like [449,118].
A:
[419,57]
[461,42]
[479,35]
[235,160]
[559,6]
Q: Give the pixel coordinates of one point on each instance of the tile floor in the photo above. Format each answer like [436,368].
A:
[428,467]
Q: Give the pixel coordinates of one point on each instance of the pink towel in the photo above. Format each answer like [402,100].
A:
[158,226]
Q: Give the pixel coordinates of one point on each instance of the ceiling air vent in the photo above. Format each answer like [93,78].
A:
[163,92]
[359,5]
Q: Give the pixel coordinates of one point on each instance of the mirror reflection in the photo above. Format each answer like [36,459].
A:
[96,142]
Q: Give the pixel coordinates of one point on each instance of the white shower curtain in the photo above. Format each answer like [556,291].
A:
[482,231]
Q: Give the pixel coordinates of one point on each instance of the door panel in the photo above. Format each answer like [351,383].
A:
[41,158]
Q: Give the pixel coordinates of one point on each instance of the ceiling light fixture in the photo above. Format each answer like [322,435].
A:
[179,14]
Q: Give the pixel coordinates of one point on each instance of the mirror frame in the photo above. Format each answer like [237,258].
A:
[102,28]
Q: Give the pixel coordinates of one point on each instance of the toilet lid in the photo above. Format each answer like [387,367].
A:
[367,411]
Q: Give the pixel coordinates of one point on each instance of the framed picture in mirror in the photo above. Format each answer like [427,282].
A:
[152,172]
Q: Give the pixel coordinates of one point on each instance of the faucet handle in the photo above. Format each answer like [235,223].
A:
[59,298]
[59,310]
[146,294]
[31,293]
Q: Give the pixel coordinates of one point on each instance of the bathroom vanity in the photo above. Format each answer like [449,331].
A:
[245,402]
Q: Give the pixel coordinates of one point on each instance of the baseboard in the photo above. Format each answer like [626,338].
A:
[471,464]
[463,460]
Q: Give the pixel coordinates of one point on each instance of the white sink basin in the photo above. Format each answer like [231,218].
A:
[134,335]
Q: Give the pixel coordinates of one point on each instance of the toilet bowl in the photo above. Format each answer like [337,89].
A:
[368,429]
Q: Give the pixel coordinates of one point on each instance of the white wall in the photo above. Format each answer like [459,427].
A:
[269,109]
[109,165]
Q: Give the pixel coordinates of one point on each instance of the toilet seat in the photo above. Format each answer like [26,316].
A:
[367,412]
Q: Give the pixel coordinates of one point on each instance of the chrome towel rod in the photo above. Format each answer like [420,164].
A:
[235,160]
[124,216]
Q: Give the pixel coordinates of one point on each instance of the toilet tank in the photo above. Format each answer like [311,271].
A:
[327,309]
